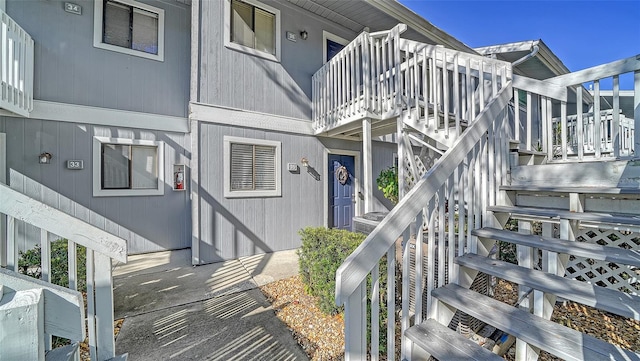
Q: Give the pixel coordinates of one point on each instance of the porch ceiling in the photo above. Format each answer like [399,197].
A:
[379,15]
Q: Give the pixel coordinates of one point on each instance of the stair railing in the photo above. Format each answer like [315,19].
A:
[542,121]
[444,206]
[361,79]
[101,248]
[434,103]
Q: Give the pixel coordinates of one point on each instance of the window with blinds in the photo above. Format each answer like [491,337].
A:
[253,27]
[130,27]
[127,167]
[252,167]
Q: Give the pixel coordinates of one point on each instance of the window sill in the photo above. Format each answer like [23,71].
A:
[251,51]
[119,49]
[253,194]
[127,192]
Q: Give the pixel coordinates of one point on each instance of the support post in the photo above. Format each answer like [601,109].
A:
[367,165]
[636,113]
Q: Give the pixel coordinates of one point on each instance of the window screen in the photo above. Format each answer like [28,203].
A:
[253,27]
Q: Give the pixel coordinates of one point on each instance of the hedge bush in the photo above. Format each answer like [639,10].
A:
[322,252]
[30,263]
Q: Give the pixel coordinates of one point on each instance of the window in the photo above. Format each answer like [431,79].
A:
[130,27]
[127,167]
[251,168]
[252,27]
[331,45]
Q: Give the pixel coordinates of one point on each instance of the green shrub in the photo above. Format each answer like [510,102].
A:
[30,263]
[322,252]
[388,183]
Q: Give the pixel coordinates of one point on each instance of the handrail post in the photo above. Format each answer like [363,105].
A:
[355,328]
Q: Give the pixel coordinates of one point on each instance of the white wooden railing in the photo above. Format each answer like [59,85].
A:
[540,100]
[380,75]
[434,104]
[611,141]
[466,178]
[361,79]
[16,67]
[101,248]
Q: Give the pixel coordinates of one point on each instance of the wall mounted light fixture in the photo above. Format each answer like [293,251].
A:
[45,158]
[305,162]
[304,34]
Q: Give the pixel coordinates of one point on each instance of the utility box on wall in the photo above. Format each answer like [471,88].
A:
[179,177]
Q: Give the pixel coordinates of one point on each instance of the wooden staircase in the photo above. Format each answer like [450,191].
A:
[490,170]
[530,323]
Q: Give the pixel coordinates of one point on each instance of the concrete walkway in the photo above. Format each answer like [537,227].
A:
[174,311]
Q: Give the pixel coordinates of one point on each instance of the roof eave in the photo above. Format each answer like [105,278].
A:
[420,24]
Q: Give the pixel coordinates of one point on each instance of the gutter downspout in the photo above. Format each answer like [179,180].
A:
[534,51]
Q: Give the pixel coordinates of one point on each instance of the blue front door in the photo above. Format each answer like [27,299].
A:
[341,189]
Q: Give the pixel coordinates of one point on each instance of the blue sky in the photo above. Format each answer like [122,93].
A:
[581,33]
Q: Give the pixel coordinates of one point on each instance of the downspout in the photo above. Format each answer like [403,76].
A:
[534,51]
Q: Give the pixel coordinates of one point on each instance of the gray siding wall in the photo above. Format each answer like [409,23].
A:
[236,227]
[149,224]
[69,69]
[235,79]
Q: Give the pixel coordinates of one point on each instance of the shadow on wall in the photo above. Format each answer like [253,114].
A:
[28,235]
[294,93]
[239,230]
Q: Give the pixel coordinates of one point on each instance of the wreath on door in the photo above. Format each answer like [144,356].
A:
[342,175]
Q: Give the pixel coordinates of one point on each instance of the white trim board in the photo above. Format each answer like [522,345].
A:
[73,113]
[244,118]
[356,191]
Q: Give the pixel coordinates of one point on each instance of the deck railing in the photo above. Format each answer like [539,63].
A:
[16,67]
[361,78]
[611,142]
[596,135]
[466,178]
[380,75]
[429,73]
[101,248]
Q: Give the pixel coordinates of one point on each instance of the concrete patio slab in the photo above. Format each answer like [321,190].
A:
[173,310]
[239,326]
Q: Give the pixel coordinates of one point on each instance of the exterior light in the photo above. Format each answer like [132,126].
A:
[305,162]
[45,158]
[304,34]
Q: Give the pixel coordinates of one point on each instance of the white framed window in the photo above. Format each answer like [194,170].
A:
[252,27]
[331,45]
[252,167]
[127,167]
[129,27]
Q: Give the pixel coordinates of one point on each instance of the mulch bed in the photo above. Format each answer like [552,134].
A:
[322,336]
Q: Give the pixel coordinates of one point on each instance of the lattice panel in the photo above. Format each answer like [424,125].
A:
[621,277]
[410,179]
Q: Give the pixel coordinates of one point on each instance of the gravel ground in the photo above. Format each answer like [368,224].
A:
[322,336]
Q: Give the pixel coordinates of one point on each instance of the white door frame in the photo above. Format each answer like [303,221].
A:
[356,189]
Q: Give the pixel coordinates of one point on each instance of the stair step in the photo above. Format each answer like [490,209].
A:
[547,335]
[580,249]
[605,299]
[580,190]
[608,218]
[446,344]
